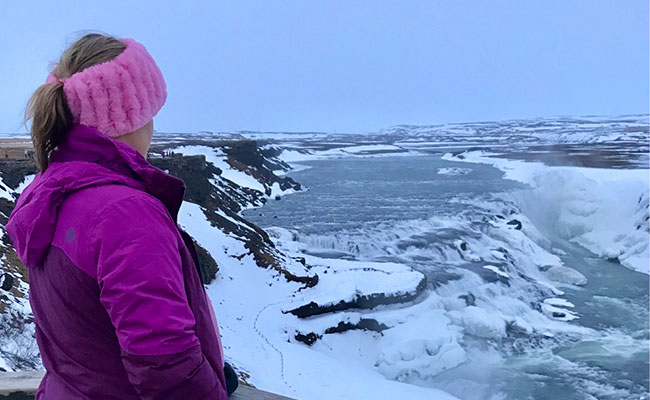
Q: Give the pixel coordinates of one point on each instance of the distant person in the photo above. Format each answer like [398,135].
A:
[6,154]
[26,153]
[119,306]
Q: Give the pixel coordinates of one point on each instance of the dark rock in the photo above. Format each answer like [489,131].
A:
[6,207]
[195,172]
[365,324]
[207,265]
[366,302]
[308,339]
[470,299]
[221,204]
[14,171]
[18,396]
[232,381]
[246,152]
[516,223]
[245,155]
[7,282]
[514,330]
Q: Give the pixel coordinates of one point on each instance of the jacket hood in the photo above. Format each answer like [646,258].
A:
[84,159]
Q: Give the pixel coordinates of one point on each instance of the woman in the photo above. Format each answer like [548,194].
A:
[119,307]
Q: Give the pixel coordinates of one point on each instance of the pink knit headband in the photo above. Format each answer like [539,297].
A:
[118,96]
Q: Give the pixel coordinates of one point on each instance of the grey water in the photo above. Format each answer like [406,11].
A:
[374,208]
[354,192]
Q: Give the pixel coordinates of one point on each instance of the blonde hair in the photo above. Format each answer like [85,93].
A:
[47,108]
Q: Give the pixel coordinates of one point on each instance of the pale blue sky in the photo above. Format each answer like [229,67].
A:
[350,66]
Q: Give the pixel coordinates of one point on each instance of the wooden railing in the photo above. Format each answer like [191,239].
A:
[23,385]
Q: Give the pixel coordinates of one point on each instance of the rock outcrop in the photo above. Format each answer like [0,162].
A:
[361,301]
[222,201]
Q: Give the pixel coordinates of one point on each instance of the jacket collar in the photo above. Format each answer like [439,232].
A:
[86,144]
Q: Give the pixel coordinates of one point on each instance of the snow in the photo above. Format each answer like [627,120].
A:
[603,210]
[289,155]
[496,270]
[454,171]
[515,170]
[562,274]
[292,155]
[557,308]
[276,191]
[26,181]
[479,323]
[343,280]
[4,366]
[559,302]
[589,129]
[426,353]
[371,148]
[256,334]
[426,337]
[6,191]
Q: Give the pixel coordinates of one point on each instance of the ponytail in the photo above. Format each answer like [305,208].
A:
[48,109]
[51,120]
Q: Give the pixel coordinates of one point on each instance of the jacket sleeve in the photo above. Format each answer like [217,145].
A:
[140,276]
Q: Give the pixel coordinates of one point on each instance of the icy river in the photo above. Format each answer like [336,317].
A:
[551,319]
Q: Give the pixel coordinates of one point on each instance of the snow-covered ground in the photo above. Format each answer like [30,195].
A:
[259,338]
[587,129]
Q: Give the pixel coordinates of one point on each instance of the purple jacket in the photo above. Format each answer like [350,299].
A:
[119,307]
